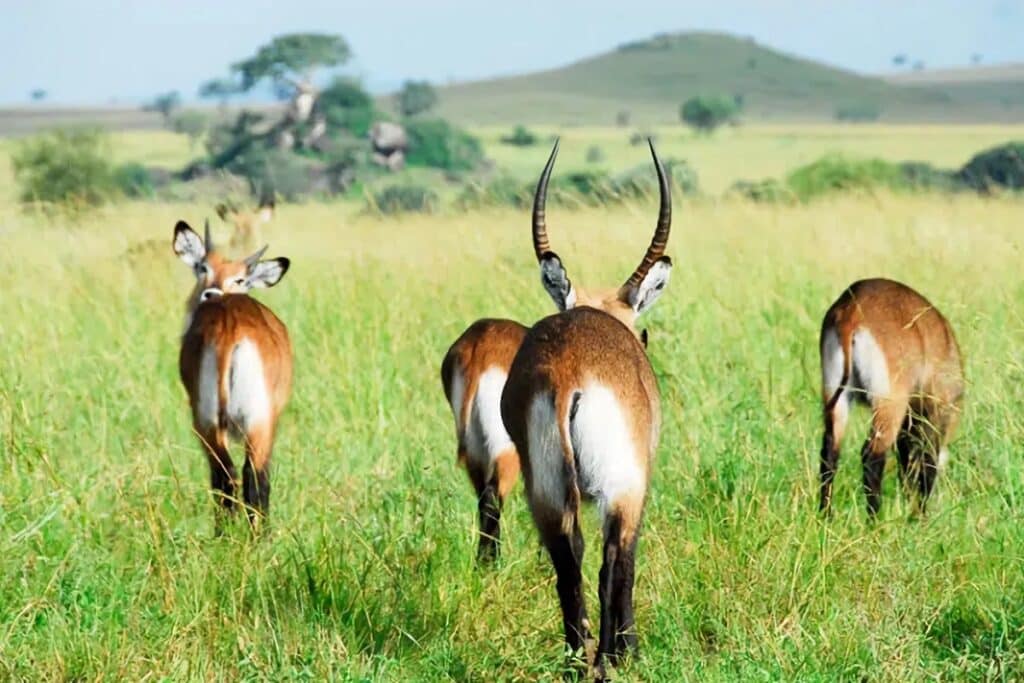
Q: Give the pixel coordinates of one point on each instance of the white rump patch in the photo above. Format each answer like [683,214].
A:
[457,391]
[486,437]
[609,465]
[248,398]
[831,363]
[548,485]
[208,401]
[943,458]
[869,366]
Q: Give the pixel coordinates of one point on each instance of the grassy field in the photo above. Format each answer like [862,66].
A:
[109,569]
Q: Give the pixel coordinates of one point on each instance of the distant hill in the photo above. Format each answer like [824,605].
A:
[997,87]
[650,78]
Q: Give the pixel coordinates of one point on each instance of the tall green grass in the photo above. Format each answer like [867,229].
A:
[109,569]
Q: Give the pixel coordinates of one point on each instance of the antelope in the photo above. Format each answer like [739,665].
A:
[248,232]
[236,366]
[885,345]
[581,404]
[473,374]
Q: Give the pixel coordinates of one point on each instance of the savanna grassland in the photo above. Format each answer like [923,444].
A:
[109,569]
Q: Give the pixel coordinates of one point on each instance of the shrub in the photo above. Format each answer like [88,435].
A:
[838,173]
[520,137]
[438,144]
[622,118]
[595,155]
[642,181]
[858,112]
[134,180]
[416,97]
[707,112]
[288,175]
[999,167]
[346,106]
[68,168]
[768,191]
[918,175]
[406,198]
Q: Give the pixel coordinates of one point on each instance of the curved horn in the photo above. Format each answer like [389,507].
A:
[660,240]
[540,230]
[251,261]
[208,240]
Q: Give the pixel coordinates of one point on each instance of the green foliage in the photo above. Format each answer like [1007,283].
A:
[404,198]
[346,106]
[642,180]
[292,57]
[858,112]
[219,89]
[134,180]
[767,191]
[436,143]
[279,172]
[192,123]
[520,137]
[705,113]
[416,97]
[1001,167]
[165,103]
[837,173]
[66,168]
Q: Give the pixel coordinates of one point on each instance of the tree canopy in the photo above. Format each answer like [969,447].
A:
[291,59]
[416,97]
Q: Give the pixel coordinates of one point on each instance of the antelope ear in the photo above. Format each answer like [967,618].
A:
[643,296]
[188,245]
[556,281]
[267,273]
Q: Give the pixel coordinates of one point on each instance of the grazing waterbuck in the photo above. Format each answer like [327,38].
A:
[473,374]
[581,404]
[235,364]
[885,345]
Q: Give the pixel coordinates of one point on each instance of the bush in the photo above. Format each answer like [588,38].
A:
[520,137]
[406,198]
[642,181]
[416,97]
[768,191]
[622,118]
[835,172]
[858,112]
[288,175]
[346,106]
[435,143]
[707,112]
[134,180]
[999,167]
[67,168]
[918,175]
[595,155]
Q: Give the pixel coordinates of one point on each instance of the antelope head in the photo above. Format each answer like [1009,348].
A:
[633,297]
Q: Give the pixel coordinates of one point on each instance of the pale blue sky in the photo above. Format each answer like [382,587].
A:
[97,51]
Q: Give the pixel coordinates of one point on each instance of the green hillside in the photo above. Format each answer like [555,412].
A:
[651,78]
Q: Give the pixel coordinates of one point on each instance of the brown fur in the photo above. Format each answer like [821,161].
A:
[221,323]
[486,344]
[925,378]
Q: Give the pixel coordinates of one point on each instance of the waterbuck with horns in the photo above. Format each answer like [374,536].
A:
[581,404]
[236,365]
[885,345]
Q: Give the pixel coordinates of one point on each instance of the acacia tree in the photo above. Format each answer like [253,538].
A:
[290,63]
[416,97]
[707,112]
